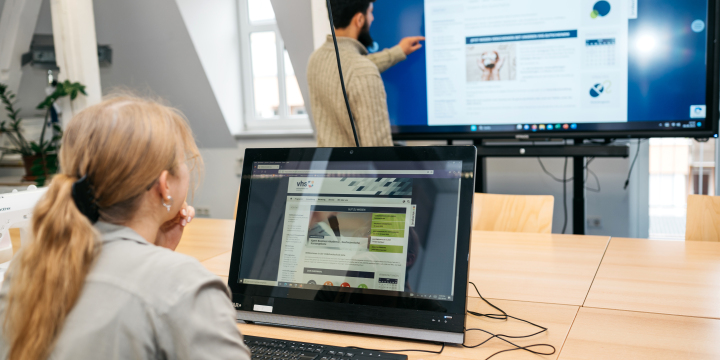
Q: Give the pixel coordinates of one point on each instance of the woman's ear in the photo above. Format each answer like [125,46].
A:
[163,187]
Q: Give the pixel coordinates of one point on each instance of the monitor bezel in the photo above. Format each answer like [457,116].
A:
[348,305]
[709,130]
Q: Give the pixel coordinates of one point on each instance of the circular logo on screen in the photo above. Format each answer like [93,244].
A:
[362,286]
[601,9]
[312,282]
[697,26]
[345,285]
[597,90]
[328,283]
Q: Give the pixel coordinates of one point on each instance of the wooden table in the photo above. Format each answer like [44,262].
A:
[665,277]
[558,319]
[601,334]
[580,287]
[206,238]
[557,269]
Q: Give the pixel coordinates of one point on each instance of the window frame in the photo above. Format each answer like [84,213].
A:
[252,122]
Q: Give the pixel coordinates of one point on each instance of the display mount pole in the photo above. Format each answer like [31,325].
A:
[579,204]
[579,152]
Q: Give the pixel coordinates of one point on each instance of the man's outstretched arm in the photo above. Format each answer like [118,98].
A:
[388,58]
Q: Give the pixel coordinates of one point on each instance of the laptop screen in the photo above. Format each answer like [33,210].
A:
[376,227]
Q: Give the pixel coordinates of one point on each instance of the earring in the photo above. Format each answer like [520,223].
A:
[170,200]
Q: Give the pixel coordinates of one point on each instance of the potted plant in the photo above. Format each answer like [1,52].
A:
[39,158]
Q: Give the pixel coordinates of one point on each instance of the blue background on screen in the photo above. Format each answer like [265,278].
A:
[661,88]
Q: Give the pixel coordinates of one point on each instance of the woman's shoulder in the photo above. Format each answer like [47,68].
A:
[153,273]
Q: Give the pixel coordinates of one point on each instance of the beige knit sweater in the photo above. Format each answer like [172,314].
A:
[365,89]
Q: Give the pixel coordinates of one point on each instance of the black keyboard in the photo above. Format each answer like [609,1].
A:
[275,349]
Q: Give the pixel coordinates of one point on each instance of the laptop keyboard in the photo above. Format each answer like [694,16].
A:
[276,349]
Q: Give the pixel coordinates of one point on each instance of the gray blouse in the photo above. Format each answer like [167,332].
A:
[141,301]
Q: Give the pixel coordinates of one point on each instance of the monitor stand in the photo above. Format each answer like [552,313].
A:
[579,151]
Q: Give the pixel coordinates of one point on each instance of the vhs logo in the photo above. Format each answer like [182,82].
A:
[305,184]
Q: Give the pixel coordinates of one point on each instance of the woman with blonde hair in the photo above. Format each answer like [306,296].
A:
[99,279]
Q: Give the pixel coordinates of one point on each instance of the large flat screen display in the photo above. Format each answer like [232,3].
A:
[556,68]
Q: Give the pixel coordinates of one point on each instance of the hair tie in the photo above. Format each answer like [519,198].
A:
[84,197]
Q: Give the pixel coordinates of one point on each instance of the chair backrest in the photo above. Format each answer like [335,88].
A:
[513,213]
[703,218]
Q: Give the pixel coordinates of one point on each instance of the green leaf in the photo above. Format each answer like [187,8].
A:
[37,167]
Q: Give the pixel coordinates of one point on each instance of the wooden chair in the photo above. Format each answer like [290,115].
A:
[703,218]
[513,213]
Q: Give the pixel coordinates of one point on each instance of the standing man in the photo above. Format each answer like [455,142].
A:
[365,87]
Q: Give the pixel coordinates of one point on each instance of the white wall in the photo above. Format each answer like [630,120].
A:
[154,54]
[320,22]
[213,27]
[298,39]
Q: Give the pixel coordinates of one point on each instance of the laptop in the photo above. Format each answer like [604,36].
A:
[362,240]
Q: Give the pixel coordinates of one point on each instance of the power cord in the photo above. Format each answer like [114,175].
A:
[504,316]
[587,167]
[565,180]
[637,152]
[342,79]
[564,198]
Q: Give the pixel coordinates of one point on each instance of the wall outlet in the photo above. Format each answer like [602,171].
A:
[594,223]
[202,212]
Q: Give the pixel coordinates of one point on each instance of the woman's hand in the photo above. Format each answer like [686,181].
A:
[170,233]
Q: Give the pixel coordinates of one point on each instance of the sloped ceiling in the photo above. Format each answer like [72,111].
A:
[153,55]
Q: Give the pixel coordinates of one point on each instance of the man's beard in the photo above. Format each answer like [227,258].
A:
[365,38]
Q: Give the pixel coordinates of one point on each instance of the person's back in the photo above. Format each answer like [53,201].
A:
[361,72]
[116,290]
[366,92]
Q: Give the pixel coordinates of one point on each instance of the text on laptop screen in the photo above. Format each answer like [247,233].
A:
[385,228]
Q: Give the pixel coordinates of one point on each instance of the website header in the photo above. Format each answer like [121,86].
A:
[360,172]
[351,186]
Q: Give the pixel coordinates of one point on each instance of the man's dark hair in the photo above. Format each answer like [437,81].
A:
[345,10]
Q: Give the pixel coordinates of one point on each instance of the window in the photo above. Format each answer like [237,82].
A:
[271,92]
[678,168]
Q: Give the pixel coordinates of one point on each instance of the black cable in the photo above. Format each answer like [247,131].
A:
[542,165]
[597,180]
[342,79]
[565,181]
[548,173]
[504,316]
[627,182]
[565,196]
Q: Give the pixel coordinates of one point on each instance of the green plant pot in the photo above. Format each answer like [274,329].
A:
[28,162]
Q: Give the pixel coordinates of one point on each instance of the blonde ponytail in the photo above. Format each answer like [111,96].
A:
[109,143]
[52,272]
